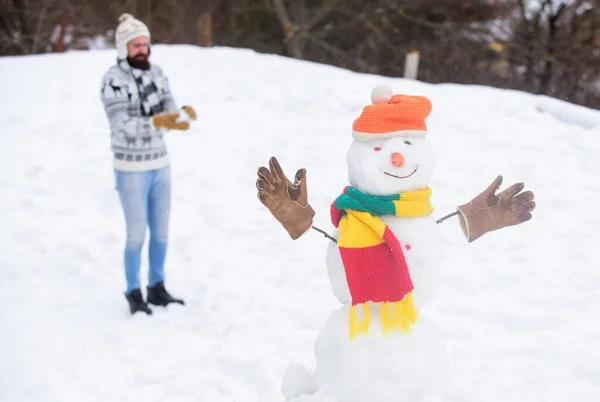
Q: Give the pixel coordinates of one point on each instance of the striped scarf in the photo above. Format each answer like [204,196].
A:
[376,269]
[151,102]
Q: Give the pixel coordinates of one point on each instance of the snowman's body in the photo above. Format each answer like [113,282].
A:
[375,367]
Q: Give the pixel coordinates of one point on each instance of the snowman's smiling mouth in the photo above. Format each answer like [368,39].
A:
[401,177]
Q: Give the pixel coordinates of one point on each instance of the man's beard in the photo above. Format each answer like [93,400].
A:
[139,61]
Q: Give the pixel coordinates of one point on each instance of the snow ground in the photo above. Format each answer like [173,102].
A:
[518,309]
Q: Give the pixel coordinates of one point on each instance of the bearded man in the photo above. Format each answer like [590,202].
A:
[141,109]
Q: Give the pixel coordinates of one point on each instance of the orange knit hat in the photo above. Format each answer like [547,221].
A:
[391,115]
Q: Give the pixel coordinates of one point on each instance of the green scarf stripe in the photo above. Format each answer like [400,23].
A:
[377,206]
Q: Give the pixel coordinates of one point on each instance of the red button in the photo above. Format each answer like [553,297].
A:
[408,246]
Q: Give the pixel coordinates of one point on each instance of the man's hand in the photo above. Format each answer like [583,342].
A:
[286,201]
[169,120]
[488,212]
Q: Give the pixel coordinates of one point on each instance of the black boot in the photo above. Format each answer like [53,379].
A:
[159,296]
[136,302]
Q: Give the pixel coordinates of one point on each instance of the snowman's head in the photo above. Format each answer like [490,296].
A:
[390,153]
[390,166]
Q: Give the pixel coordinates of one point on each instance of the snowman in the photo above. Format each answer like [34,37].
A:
[384,257]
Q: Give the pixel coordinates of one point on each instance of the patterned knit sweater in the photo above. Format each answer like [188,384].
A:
[130,97]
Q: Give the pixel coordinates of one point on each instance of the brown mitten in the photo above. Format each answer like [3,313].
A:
[488,212]
[190,111]
[169,120]
[286,201]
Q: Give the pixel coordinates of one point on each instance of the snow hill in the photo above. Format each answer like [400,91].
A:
[518,308]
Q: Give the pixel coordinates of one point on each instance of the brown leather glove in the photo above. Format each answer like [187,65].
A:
[169,120]
[190,111]
[286,201]
[488,212]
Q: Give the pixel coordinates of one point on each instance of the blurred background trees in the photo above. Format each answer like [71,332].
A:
[549,47]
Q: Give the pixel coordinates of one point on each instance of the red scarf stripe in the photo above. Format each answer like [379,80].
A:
[392,241]
[373,274]
[377,273]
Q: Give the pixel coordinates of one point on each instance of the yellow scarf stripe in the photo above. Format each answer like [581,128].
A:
[414,203]
[356,327]
[360,229]
[403,315]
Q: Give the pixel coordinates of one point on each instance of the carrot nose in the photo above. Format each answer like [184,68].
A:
[397,159]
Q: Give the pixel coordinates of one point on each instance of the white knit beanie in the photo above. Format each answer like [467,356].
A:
[129,28]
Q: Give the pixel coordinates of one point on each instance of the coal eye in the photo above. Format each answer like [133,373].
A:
[377,149]
[407,142]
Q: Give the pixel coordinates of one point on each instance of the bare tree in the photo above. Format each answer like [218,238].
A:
[26,26]
[543,46]
[299,18]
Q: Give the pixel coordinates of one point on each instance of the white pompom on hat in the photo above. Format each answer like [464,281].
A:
[129,28]
[382,93]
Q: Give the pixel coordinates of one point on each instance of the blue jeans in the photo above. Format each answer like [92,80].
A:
[146,201]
